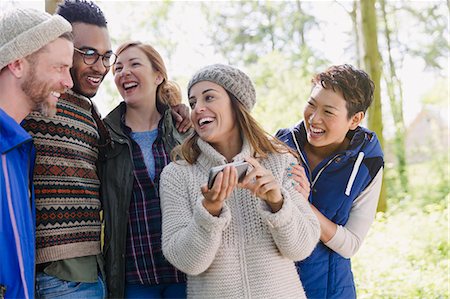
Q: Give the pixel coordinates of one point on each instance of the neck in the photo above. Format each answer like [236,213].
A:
[141,120]
[323,152]
[13,101]
[230,147]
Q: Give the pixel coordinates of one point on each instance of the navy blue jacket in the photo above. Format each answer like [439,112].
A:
[17,211]
[325,273]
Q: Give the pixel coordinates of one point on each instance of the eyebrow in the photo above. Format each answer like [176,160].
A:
[203,92]
[327,106]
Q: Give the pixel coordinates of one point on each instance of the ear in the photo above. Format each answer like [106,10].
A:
[17,68]
[158,79]
[356,120]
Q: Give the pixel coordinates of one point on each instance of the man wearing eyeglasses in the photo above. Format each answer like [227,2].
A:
[68,248]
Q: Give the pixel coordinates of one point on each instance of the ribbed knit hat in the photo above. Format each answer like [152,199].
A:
[25,30]
[231,79]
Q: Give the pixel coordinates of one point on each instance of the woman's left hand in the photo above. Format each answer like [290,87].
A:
[302,184]
[263,184]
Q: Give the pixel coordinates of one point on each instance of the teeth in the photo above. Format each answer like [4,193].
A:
[202,121]
[94,79]
[129,85]
[317,131]
[55,94]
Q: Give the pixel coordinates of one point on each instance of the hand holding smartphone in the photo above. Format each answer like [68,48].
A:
[241,168]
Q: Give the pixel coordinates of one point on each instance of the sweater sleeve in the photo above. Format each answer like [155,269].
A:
[191,236]
[348,238]
[294,228]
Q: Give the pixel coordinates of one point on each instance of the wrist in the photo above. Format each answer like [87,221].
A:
[214,208]
[276,206]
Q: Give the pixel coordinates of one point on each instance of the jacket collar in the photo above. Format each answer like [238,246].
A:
[11,133]
[358,138]
[114,118]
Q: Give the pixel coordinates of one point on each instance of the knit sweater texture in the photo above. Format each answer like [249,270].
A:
[66,181]
[245,252]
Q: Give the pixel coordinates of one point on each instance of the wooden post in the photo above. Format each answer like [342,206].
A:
[51,5]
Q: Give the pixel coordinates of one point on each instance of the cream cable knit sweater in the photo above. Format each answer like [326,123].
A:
[246,252]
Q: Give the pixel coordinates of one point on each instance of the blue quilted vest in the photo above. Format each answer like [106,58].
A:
[335,183]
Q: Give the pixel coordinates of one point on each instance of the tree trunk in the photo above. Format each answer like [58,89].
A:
[51,5]
[372,62]
[396,101]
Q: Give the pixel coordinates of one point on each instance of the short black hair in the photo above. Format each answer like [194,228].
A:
[82,11]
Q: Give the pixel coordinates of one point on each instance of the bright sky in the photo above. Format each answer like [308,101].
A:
[195,53]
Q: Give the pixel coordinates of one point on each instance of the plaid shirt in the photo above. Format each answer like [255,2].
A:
[145,261]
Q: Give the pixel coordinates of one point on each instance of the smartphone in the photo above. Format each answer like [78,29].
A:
[241,168]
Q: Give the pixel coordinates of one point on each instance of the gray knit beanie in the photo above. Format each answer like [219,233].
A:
[231,79]
[25,30]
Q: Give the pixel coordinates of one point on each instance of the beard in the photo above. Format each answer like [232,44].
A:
[39,92]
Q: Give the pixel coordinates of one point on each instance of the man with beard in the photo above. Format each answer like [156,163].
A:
[36,52]
[68,247]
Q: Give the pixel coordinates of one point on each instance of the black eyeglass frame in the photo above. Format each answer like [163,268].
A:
[98,55]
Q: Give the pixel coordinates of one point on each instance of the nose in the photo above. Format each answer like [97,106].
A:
[314,117]
[99,67]
[67,80]
[199,107]
[125,72]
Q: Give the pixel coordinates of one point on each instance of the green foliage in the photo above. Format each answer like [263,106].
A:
[438,95]
[281,92]
[243,31]
[147,23]
[429,26]
[405,254]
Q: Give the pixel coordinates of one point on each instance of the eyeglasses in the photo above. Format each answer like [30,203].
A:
[91,57]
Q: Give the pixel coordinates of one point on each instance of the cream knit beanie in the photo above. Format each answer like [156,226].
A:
[231,79]
[24,31]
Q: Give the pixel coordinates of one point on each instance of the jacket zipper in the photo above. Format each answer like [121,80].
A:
[307,166]
[13,220]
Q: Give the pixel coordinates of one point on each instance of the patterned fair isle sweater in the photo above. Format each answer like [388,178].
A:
[66,182]
[246,252]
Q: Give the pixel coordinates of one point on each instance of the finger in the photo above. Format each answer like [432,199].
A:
[301,173]
[270,192]
[256,172]
[178,119]
[204,189]
[267,178]
[232,181]
[226,182]
[302,190]
[252,161]
[214,192]
[185,125]
[263,181]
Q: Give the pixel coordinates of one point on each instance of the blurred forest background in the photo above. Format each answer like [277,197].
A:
[403,45]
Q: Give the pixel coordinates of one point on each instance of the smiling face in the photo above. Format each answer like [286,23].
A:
[87,78]
[135,77]
[48,76]
[212,114]
[327,121]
